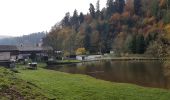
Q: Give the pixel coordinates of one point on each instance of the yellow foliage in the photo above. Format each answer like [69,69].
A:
[80,51]
[66,53]
[167,29]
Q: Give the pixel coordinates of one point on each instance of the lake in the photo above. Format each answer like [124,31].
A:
[143,73]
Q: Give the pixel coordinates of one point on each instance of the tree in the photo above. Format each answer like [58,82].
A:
[140,44]
[110,8]
[80,51]
[81,18]
[98,5]
[129,5]
[92,10]
[120,5]
[75,20]
[154,7]
[156,49]
[165,4]
[98,8]
[87,40]
[138,7]
[167,34]
[166,17]
[66,20]
[168,4]
[132,44]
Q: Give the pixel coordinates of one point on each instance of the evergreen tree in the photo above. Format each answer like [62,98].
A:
[140,44]
[154,7]
[98,5]
[92,10]
[75,20]
[168,4]
[98,8]
[132,44]
[138,7]
[87,41]
[81,18]
[66,20]
[110,8]
[120,4]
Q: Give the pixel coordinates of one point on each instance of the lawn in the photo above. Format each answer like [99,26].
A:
[64,86]
[13,88]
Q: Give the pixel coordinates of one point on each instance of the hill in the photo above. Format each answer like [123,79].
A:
[2,36]
[33,38]
[123,26]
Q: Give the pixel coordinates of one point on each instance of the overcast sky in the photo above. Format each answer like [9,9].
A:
[19,17]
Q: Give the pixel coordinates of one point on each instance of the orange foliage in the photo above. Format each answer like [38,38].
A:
[129,6]
[162,3]
[125,14]
[115,17]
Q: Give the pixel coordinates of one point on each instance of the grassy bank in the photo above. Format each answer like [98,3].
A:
[13,88]
[61,62]
[63,86]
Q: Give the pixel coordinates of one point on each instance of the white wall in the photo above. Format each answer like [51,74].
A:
[4,56]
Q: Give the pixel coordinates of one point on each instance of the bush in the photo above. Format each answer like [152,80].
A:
[80,51]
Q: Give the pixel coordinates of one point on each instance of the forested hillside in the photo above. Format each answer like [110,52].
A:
[31,39]
[123,26]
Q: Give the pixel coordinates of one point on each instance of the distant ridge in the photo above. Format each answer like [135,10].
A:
[3,36]
[30,39]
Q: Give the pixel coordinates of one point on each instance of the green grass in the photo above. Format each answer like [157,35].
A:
[64,86]
[68,61]
[13,88]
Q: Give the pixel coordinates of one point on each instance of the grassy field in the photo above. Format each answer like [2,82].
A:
[13,88]
[63,86]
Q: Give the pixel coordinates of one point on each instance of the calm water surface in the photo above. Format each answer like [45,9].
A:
[144,73]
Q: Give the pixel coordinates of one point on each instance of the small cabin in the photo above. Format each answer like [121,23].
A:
[26,50]
[7,53]
[8,50]
[81,57]
[88,57]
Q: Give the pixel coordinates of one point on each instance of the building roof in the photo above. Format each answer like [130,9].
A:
[8,48]
[33,48]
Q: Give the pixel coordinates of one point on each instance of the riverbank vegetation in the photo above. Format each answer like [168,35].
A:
[123,26]
[64,86]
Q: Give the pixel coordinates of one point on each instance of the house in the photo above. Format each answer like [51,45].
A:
[7,53]
[10,50]
[88,57]
[26,50]
[81,57]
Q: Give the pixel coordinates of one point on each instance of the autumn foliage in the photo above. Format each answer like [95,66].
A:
[124,27]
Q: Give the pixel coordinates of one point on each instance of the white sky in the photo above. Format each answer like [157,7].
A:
[19,17]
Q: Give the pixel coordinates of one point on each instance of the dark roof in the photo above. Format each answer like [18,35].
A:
[33,48]
[8,48]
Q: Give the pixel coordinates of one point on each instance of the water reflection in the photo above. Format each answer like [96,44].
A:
[144,73]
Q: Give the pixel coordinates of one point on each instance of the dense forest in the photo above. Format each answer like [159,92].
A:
[123,26]
[31,39]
